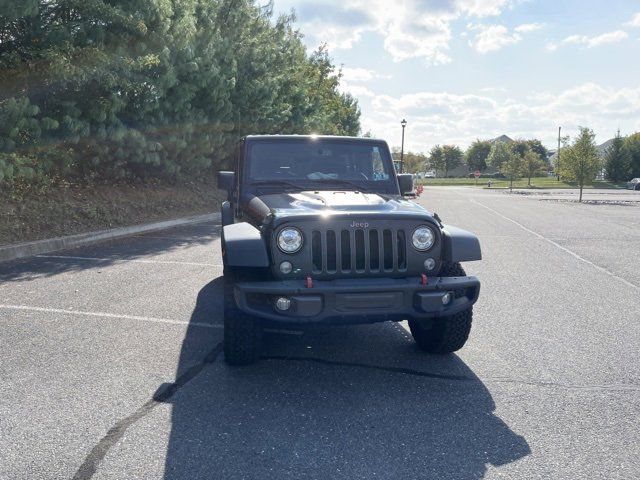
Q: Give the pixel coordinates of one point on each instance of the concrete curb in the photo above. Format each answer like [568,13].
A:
[29,249]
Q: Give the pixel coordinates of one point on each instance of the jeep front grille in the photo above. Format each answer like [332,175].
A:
[358,251]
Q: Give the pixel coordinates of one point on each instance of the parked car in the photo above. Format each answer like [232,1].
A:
[317,230]
[634,184]
[430,174]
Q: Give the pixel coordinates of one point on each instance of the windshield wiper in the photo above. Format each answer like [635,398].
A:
[275,183]
[339,181]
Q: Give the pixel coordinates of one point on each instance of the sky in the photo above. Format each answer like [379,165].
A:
[458,70]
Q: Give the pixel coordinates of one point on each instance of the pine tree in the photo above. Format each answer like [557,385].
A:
[113,90]
[618,160]
[632,143]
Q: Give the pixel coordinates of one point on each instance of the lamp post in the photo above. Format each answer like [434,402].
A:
[558,159]
[404,125]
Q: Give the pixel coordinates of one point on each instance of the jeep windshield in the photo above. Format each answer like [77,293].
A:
[323,164]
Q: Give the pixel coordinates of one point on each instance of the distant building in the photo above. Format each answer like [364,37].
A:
[603,148]
[503,139]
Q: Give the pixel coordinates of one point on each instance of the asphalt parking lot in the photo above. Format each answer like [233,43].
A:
[111,364]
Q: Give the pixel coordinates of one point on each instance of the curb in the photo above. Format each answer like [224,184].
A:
[30,249]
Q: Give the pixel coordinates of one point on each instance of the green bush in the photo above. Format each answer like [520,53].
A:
[142,90]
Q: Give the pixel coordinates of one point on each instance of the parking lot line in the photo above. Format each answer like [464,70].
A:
[160,262]
[555,244]
[118,316]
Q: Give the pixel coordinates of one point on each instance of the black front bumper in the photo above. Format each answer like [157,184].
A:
[360,300]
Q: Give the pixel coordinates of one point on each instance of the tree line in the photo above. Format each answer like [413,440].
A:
[622,159]
[113,90]
[518,158]
[579,161]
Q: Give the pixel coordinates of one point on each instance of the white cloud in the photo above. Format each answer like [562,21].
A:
[358,74]
[551,46]
[529,27]
[590,42]
[444,117]
[634,22]
[352,78]
[493,37]
[410,29]
[490,38]
[358,91]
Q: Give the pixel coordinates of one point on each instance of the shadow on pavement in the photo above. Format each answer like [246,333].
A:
[138,247]
[351,402]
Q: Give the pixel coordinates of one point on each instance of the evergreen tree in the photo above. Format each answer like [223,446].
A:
[632,144]
[618,160]
[153,89]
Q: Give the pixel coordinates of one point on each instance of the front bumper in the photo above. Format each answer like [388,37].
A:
[359,300]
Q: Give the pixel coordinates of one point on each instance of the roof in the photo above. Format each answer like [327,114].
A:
[503,139]
[310,137]
[602,150]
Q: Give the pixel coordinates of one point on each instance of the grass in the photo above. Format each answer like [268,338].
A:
[536,183]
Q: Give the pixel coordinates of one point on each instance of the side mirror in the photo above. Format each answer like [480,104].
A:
[226,180]
[405,182]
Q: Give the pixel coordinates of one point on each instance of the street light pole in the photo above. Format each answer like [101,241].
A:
[404,124]
[558,160]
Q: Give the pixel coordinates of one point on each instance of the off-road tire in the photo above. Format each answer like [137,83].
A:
[445,335]
[242,332]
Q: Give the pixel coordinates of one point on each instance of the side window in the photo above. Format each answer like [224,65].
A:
[378,165]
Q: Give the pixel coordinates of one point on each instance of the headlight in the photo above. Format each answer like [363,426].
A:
[423,238]
[290,240]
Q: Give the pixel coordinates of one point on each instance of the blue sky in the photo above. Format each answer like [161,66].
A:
[465,69]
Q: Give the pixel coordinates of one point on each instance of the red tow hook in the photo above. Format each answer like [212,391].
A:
[309,282]
[423,279]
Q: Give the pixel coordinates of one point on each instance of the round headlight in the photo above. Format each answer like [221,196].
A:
[290,240]
[423,238]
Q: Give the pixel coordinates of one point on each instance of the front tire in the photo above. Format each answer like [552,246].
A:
[444,335]
[242,332]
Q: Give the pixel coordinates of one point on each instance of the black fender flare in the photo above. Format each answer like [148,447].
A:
[243,246]
[460,245]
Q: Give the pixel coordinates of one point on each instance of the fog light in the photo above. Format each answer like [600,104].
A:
[283,304]
[447,297]
[429,264]
[286,267]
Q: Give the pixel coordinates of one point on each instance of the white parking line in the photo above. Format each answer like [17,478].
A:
[108,315]
[555,244]
[132,260]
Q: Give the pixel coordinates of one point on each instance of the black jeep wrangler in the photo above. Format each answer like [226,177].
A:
[317,230]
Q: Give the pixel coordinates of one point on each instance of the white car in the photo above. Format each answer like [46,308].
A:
[634,184]
[430,174]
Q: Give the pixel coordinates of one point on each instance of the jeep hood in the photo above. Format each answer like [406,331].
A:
[325,203]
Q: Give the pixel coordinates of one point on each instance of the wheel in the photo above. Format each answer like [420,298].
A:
[242,332]
[445,335]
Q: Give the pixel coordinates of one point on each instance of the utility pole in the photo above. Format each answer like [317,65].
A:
[404,124]
[558,153]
